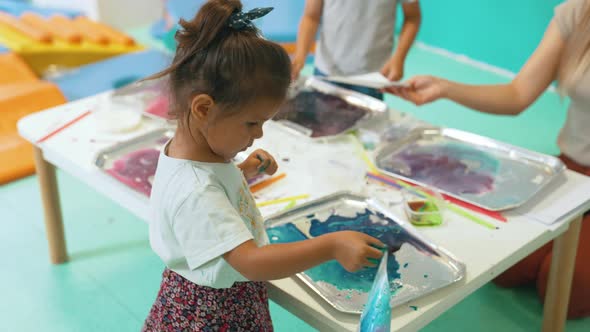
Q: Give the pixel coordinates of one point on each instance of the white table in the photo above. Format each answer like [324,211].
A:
[485,252]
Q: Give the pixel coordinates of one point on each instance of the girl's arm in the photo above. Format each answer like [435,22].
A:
[351,249]
[308,28]
[507,99]
[394,68]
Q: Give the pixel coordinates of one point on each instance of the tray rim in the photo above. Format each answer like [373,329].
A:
[457,264]
[389,148]
[100,160]
[313,82]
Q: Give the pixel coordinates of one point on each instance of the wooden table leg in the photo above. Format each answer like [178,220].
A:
[561,273]
[54,228]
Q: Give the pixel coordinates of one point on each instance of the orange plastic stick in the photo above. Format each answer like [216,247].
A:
[89,32]
[25,29]
[60,31]
[115,37]
[266,183]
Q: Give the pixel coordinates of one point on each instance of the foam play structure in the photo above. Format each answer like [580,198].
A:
[21,93]
[53,42]
[111,73]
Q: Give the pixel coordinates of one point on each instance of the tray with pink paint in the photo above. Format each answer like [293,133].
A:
[479,170]
[133,163]
[148,97]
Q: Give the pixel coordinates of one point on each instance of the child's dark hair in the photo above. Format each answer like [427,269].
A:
[233,66]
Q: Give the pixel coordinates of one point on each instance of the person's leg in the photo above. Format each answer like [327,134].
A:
[527,270]
[574,166]
[362,89]
[579,303]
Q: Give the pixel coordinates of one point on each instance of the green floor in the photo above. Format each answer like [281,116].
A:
[113,276]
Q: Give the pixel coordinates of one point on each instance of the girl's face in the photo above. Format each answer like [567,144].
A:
[229,134]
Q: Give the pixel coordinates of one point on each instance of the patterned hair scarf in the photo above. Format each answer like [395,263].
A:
[241,20]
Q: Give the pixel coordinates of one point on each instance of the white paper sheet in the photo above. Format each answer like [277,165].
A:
[551,203]
[371,80]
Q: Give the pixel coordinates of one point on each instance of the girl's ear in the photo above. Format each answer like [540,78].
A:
[201,107]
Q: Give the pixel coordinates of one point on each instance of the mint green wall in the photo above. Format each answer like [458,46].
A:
[500,32]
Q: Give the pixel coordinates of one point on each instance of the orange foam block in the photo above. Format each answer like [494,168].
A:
[14,70]
[20,99]
[16,158]
[16,101]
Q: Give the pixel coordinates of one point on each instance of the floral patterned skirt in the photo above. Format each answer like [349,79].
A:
[182,305]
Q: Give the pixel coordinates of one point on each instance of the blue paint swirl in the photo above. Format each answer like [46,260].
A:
[368,222]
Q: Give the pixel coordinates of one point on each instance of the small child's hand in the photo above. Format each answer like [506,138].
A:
[296,67]
[258,162]
[355,250]
[393,69]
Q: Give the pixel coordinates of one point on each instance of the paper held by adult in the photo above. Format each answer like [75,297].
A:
[373,80]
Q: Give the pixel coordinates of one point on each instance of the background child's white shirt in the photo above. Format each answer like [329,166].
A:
[356,36]
[200,211]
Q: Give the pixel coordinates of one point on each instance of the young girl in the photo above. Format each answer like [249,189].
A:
[563,55]
[226,81]
[356,37]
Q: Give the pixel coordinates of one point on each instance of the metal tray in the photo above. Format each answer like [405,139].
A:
[123,162]
[476,169]
[417,268]
[146,97]
[308,123]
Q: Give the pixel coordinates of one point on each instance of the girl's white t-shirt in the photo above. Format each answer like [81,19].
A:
[200,211]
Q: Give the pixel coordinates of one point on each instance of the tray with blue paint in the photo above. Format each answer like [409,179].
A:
[415,268]
[476,169]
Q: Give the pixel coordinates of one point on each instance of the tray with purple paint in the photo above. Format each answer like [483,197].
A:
[476,169]
[134,162]
[321,110]
[415,267]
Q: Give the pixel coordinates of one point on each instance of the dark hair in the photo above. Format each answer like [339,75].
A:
[232,66]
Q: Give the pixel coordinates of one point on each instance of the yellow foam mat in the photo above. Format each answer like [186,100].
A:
[58,53]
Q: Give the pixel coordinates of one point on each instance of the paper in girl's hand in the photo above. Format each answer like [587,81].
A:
[376,316]
[373,80]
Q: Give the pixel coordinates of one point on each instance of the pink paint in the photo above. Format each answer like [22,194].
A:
[136,169]
[159,107]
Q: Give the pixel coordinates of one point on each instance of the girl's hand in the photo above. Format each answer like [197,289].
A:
[258,162]
[420,90]
[393,69]
[354,249]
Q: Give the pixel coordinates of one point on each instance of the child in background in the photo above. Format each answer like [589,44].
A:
[225,81]
[356,37]
[562,55]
